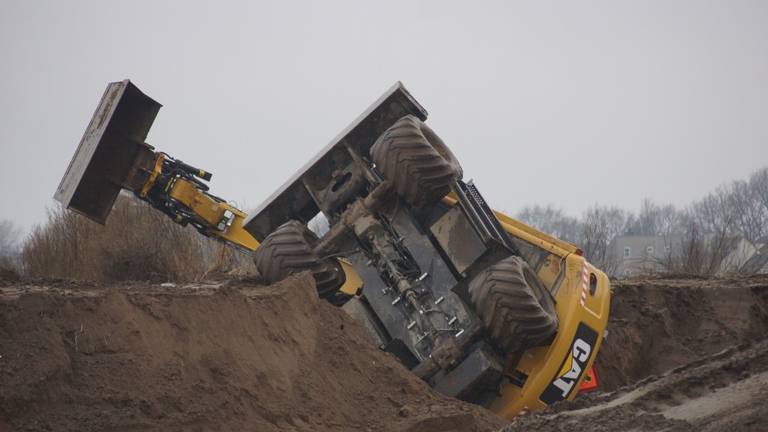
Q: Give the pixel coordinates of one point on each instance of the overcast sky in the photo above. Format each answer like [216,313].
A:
[570,103]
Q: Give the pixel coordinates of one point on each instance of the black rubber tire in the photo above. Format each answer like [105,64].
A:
[416,161]
[288,250]
[517,310]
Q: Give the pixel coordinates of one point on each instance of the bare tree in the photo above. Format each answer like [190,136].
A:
[758,185]
[9,249]
[600,225]
[9,238]
[653,220]
[750,215]
[551,220]
[758,182]
[692,257]
[698,239]
[710,230]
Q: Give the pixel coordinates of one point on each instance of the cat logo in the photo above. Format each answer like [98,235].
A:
[573,366]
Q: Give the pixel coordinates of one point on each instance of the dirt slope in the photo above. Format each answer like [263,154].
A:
[659,324]
[203,358]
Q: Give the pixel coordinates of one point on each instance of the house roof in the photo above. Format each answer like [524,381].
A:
[757,262]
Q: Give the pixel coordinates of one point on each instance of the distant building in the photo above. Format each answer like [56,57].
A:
[738,253]
[758,262]
[631,255]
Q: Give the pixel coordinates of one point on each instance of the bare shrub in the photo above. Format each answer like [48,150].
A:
[553,221]
[653,220]
[600,225]
[9,237]
[137,243]
[9,254]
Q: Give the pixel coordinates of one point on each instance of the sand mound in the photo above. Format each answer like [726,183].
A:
[201,358]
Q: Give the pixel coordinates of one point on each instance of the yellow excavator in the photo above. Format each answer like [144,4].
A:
[479,305]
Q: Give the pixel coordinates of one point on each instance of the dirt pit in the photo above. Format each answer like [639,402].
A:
[680,355]
[203,358]
[723,392]
[658,324]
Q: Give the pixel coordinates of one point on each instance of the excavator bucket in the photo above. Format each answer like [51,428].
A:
[112,153]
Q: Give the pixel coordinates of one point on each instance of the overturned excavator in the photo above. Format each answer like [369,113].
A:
[481,306]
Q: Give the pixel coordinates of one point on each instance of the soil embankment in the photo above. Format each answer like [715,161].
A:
[723,392]
[691,355]
[200,358]
[681,354]
[658,324]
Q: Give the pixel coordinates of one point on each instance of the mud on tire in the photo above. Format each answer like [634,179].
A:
[288,250]
[517,310]
[417,162]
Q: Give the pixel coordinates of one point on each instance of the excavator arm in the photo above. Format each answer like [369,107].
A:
[113,156]
[179,191]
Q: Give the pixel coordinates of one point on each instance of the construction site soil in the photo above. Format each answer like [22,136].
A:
[201,358]
[680,354]
[658,324]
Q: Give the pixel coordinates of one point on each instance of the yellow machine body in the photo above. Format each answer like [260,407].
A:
[565,360]
[583,295]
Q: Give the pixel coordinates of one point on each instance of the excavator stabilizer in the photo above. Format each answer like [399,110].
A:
[112,154]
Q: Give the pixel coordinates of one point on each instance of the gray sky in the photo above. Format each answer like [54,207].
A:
[570,103]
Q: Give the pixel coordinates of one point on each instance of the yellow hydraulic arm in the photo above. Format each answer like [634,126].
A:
[176,189]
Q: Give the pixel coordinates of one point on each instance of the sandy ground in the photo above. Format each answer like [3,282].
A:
[658,324]
[204,358]
[695,352]
[727,391]
[681,354]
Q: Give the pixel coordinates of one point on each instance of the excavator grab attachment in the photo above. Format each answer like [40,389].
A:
[112,154]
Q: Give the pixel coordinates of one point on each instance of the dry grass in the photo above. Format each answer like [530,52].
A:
[137,243]
[8,270]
